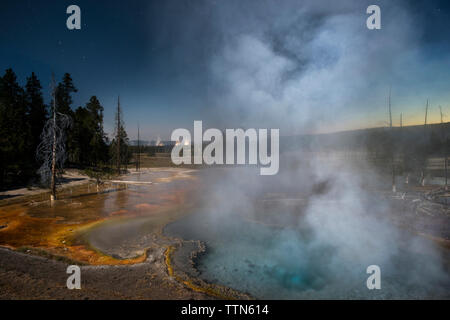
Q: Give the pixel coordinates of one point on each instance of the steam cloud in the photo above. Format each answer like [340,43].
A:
[297,65]
[301,64]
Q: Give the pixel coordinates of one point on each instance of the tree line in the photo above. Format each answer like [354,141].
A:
[24,115]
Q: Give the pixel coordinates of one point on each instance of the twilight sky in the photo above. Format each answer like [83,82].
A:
[301,66]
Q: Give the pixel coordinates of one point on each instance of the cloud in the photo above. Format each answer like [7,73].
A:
[309,67]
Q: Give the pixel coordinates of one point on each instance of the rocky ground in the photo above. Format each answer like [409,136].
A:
[160,275]
[36,269]
[23,276]
[70,178]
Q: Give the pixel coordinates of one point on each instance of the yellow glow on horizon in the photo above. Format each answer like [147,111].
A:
[416,120]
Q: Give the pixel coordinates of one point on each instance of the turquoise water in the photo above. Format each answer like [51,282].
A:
[286,263]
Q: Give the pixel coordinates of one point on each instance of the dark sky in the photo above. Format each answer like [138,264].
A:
[230,63]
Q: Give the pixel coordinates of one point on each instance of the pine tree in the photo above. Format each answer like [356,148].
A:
[120,142]
[64,93]
[80,137]
[89,137]
[99,149]
[37,111]
[119,146]
[15,167]
[64,101]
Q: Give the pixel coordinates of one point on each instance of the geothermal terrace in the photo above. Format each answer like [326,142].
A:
[163,234]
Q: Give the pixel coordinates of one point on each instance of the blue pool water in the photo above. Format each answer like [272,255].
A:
[285,263]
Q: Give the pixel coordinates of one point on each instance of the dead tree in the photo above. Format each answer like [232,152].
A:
[118,134]
[394,188]
[138,157]
[120,142]
[422,174]
[444,139]
[51,150]
[403,151]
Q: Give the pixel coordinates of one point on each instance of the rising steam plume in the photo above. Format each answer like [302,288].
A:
[300,66]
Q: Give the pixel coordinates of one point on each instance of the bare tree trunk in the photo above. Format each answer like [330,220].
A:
[444,139]
[138,155]
[139,150]
[53,177]
[446,172]
[403,153]
[422,174]
[51,150]
[394,187]
[118,135]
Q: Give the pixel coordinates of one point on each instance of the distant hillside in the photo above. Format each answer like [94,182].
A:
[432,137]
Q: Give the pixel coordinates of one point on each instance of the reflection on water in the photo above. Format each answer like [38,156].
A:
[130,213]
[284,263]
[113,199]
[247,257]
[139,212]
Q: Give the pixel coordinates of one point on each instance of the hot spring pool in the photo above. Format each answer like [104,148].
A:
[286,263]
